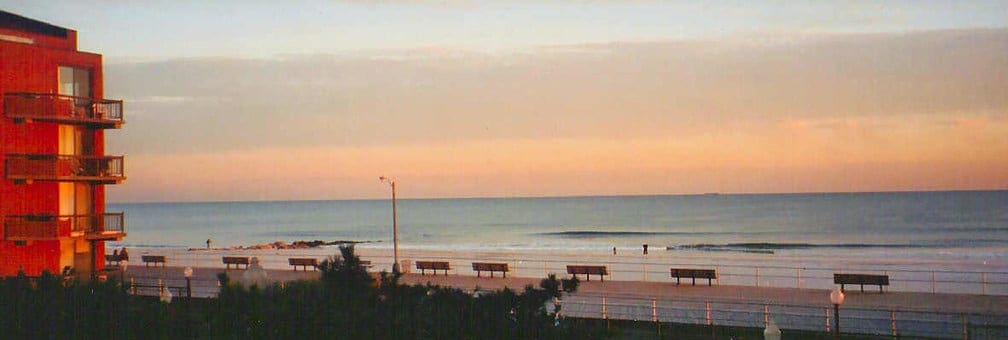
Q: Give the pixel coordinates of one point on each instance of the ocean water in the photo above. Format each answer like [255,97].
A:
[913,225]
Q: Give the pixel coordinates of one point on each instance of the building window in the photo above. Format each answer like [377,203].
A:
[74,81]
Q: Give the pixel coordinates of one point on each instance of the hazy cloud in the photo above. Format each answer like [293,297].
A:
[698,110]
[649,89]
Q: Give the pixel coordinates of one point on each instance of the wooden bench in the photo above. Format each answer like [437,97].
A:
[433,265]
[111,260]
[490,267]
[861,279]
[155,259]
[235,260]
[303,262]
[601,271]
[678,273]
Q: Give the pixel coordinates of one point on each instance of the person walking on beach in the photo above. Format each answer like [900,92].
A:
[645,249]
[614,251]
[208,241]
[124,254]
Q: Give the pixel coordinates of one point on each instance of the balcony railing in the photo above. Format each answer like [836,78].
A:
[70,168]
[108,226]
[64,109]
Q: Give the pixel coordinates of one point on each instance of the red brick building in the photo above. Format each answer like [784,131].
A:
[52,147]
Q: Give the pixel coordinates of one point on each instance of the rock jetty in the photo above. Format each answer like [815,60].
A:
[285,245]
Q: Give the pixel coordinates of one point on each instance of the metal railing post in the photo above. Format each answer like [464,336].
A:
[757,276]
[798,279]
[932,282]
[708,312]
[828,324]
[965,327]
[605,313]
[766,315]
[654,310]
[892,317]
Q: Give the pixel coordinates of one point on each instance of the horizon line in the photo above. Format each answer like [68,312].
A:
[573,196]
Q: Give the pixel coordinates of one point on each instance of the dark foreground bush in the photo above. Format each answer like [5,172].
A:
[49,307]
[346,303]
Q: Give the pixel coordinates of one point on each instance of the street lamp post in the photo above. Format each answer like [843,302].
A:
[395,224]
[837,298]
[188,281]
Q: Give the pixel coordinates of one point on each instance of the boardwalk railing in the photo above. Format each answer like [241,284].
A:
[63,109]
[895,322]
[722,312]
[149,287]
[985,282]
[51,167]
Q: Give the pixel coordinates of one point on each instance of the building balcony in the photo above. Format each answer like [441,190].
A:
[105,227]
[65,168]
[55,108]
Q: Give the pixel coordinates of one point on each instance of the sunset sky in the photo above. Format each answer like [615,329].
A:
[263,101]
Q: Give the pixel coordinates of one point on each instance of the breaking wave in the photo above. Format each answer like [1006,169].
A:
[770,247]
[602,234]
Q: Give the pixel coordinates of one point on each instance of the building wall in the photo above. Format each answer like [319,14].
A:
[68,43]
[34,68]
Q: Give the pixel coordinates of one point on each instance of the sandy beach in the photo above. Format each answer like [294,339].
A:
[956,277]
[204,279]
[528,268]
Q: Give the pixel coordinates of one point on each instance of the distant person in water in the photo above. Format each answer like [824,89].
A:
[614,250]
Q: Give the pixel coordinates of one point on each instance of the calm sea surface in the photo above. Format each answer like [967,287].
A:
[924,225]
